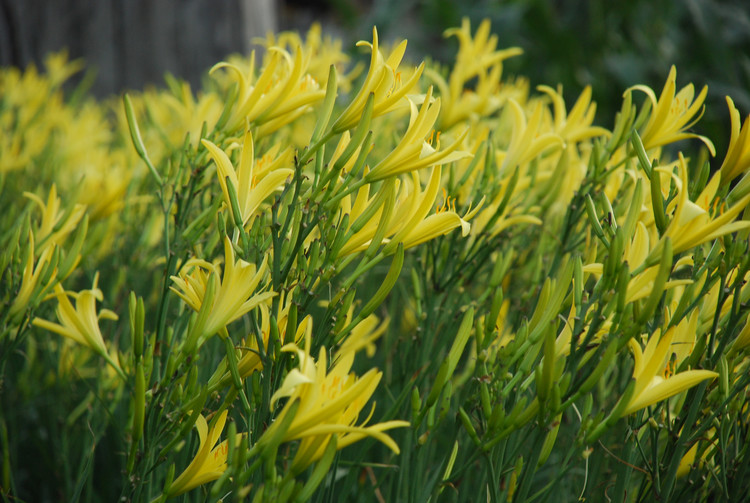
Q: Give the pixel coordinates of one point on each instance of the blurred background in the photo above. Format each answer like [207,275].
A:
[608,44]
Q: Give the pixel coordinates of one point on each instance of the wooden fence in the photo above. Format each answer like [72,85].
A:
[132,42]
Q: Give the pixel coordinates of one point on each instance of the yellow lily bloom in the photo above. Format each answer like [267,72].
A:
[475,53]
[81,324]
[575,125]
[409,222]
[250,187]
[415,151]
[250,359]
[329,403]
[383,80]
[477,58]
[527,139]
[671,115]
[178,111]
[319,53]
[278,96]
[233,295]
[691,223]
[209,462]
[636,253]
[737,159]
[653,382]
[32,274]
[52,216]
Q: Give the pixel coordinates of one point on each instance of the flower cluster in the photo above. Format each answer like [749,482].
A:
[514,285]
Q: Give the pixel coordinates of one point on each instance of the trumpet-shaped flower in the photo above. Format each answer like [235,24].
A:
[691,223]
[52,229]
[737,159]
[576,125]
[81,323]
[278,96]
[527,140]
[636,253]
[177,110]
[209,462]
[410,222]
[330,401]
[251,185]
[319,53]
[34,271]
[383,80]
[477,58]
[672,115]
[475,53]
[654,377]
[230,298]
[415,150]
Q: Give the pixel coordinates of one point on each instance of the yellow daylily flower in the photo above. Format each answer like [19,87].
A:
[654,380]
[691,223]
[671,115]
[52,215]
[251,185]
[233,295]
[636,253]
[710,301]
[363,335]
[409,222]
[278,96]
[575,125]
[81,324]
[59,68]
[475,53]
[178,111]
[743,338]
[329,403]
[488,220]
[478,58]
[415,150]
[32,274]
[737,159]
[688,461]
[319,53]
[562,343]
[209,462]
[383,80]
[527,139]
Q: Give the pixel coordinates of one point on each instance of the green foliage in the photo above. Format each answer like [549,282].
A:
[541,308]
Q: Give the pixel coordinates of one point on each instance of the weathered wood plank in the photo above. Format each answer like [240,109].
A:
[132,43]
